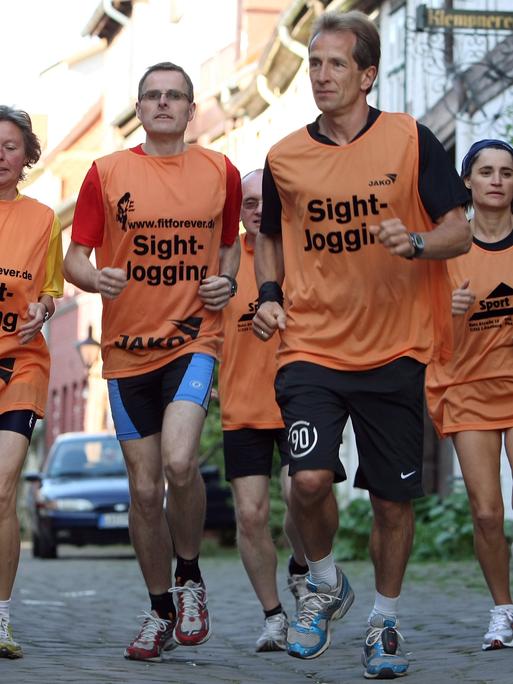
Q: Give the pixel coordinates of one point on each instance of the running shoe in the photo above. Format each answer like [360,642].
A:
[274,635]
[297,586]
[309,634]
[155,636]
[8,647]
[382,655]
[500,630]
[193,622]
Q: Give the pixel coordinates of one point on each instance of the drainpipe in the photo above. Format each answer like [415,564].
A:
[113,13]
[292,45]
[264,91]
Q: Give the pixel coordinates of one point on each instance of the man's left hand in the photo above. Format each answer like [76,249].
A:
[36,317]
[214,292]
[393,234]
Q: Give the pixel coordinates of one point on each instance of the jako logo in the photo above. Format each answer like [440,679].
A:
[302,438]
[389,180]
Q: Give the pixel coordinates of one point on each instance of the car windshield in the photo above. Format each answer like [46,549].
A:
[87,458]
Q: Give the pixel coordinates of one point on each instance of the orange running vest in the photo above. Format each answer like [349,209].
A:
[474,390]
[353,306]
[248,366]
[25,231]
[163,223]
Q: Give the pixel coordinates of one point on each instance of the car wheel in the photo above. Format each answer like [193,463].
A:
[46,546]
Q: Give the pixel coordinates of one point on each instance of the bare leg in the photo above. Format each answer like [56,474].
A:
[181,431]
[508,441]
[479,457]
[257,550]
[390,543]
[289,527]
[149,529]
[13,450]
[314,511]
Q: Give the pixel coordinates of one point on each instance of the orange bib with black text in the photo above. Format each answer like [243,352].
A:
[163,223]
[25,230]
[352,305]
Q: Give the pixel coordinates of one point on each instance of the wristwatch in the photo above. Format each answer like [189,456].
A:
[417,242]
[233,284]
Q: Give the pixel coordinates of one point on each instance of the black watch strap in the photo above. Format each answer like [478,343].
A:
[233,283]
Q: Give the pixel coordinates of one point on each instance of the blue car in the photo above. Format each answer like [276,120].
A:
[81,496]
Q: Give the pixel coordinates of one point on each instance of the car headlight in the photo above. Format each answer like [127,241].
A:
[67,504]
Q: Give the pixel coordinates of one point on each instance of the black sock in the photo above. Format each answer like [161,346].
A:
[163,605]
[295,568]
[187,570]
[274,611]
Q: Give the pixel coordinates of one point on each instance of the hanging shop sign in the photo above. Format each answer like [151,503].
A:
[429,18]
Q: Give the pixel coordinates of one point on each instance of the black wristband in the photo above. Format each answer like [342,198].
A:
[270,291]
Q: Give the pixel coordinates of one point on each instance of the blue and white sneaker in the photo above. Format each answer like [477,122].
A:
[297,587]
[382,656]
[309,634]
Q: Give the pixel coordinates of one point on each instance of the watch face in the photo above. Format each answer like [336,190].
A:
[418,241]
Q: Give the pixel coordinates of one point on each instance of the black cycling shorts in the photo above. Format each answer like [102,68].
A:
[22,421]
[138,403]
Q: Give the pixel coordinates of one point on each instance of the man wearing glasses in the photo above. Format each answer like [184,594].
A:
[252,425]
[163,220]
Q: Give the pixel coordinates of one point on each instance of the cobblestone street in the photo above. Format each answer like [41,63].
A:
[75,615]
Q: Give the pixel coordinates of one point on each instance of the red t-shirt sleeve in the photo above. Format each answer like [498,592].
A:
[89,217]
[231,211]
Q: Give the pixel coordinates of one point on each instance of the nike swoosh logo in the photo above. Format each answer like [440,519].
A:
[405,476]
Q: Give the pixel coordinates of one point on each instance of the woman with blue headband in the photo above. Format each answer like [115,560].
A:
[471,397]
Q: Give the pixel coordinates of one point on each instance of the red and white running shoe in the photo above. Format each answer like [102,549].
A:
[192,622]
[155,636]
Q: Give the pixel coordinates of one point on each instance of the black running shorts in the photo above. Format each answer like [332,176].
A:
[385,405]
[249,451]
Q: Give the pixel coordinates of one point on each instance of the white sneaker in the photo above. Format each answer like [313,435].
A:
[500,630]
[8,647]
[274,635]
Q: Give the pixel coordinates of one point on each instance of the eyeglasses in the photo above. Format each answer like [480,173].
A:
[169,95]
[251,203]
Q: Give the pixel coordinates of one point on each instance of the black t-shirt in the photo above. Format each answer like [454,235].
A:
[440,187]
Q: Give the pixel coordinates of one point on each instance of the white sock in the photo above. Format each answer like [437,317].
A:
[4,609]
[384,605]
[503,606]
[323,571]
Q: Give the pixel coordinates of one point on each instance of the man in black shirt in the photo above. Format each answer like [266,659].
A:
[341,201]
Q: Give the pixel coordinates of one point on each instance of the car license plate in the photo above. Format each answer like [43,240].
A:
[109,520]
